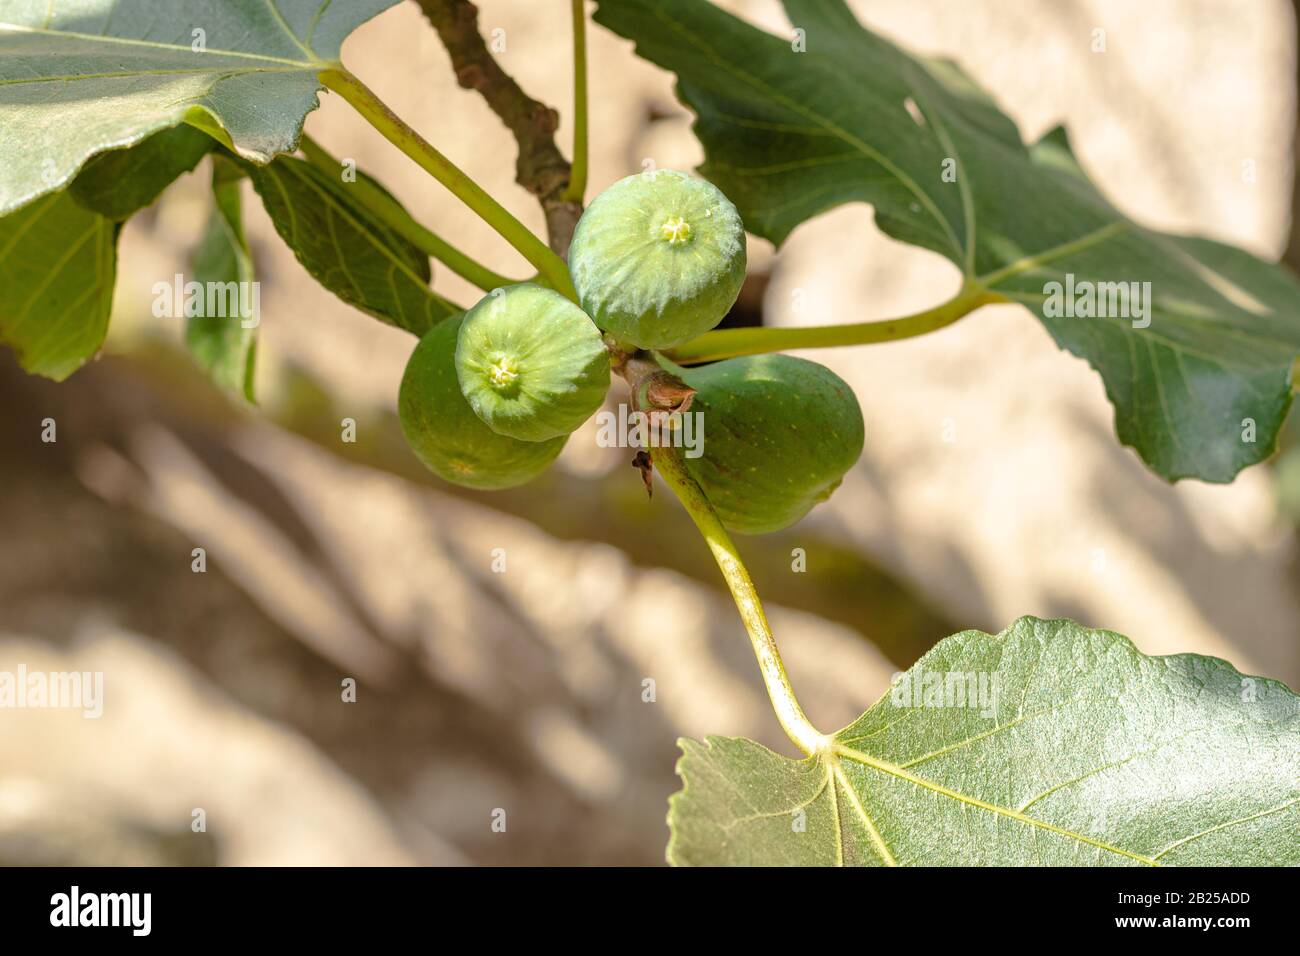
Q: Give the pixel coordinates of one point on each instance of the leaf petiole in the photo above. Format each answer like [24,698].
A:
[401,135]
[729,343]
[793,721]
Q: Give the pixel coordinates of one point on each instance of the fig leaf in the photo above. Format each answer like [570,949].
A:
[78,77]
[1194,340]
[57,266]
[346,248]
[225,346]
[119,183]
[1049,744]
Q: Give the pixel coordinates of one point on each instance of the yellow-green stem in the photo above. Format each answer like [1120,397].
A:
[729,343]
[668,461]
[395,216]
[577,189]
[397,132]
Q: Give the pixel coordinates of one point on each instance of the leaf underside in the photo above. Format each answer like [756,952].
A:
[1078,751]
[78,77]
[92,97]
[789,135]
[57,266]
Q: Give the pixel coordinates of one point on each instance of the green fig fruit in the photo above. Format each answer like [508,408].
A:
[531,363]
[446,434]
[658,258]
[779,434]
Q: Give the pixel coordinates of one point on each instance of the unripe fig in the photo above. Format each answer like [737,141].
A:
[530,363]
[658,258]
[446,434]
[779,435]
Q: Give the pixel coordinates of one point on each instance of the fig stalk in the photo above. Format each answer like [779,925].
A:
[653,388]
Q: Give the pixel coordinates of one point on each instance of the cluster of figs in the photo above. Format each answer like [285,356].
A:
[490,397]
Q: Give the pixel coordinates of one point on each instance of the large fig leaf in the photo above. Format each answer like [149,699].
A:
[1048,744]
[1198,366]
[78,77]
[346,247]
[57,265]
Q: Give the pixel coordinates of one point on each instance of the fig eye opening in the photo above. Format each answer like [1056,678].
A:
[675,230]
[502,372]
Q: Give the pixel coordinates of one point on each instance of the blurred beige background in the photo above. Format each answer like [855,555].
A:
[524,691]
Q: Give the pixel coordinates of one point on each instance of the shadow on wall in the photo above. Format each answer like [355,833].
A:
[1233,585]
[524,692]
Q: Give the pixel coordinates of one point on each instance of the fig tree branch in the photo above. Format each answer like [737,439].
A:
[541,168]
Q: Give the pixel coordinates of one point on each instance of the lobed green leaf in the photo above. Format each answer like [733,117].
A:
[78,77]
[1047,744]
[1200,384]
